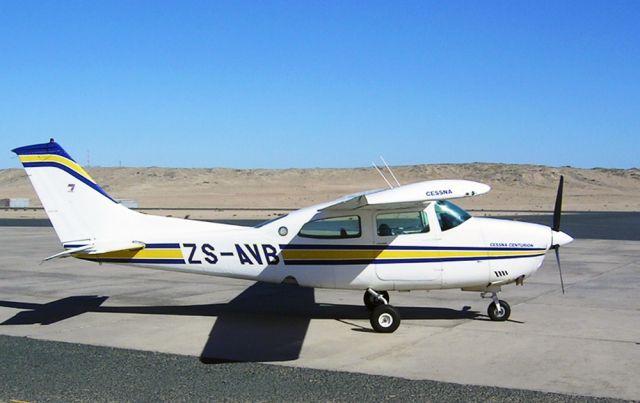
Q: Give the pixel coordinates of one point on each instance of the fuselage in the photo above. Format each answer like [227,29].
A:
[421,250]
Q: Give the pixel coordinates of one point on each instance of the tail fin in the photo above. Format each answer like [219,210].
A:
[79,209]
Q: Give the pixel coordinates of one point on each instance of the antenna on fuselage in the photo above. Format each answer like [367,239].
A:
[381,174]
[390,171]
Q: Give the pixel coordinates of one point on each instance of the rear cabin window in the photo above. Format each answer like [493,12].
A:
[414,222]
[332,228]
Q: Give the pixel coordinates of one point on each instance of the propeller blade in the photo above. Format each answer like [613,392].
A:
[557,211]
[557,249]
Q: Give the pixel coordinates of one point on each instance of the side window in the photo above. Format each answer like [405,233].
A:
[414,222]
[332,228]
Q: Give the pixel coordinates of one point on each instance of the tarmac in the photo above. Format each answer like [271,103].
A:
[583,343]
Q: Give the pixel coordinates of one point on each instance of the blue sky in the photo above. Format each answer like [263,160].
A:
[322,83]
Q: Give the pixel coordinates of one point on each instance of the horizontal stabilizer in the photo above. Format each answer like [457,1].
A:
[97,249]
[68,252]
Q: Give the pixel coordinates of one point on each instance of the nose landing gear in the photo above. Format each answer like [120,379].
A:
[498,310]
[384,318]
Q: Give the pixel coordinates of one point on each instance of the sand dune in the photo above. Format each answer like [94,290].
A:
[514,187]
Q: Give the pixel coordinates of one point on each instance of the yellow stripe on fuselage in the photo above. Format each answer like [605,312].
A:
[355,254]
[513,252]
[60,160]
[136,254]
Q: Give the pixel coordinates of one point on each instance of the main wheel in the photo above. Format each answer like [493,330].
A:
[385,319]
[501,314]
[370,301]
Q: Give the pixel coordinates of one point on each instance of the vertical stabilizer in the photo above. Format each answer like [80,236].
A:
[78,208]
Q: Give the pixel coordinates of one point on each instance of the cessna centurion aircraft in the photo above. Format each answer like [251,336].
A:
[404,238]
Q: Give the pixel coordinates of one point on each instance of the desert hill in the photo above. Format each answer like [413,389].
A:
[514,187]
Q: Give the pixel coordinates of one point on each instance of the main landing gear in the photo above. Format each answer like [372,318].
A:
[384,318]
[498,310]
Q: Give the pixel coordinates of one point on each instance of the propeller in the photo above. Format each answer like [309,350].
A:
[557,215]
[557,211]
[557,249]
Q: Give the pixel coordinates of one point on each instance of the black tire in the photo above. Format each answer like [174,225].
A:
[384,319]
[499,316]
[370,302]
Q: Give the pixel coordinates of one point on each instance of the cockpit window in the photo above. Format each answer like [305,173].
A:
[450,215]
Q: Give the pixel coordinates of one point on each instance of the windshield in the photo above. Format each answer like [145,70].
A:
[450,215]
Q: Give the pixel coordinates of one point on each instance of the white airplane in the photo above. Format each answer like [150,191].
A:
[404,238]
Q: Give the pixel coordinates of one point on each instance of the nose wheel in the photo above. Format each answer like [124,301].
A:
[499,310]
[384,318]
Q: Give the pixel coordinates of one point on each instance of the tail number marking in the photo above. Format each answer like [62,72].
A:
[246,253]
[257,254]
[206,249]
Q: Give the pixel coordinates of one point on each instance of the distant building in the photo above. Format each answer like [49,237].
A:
[15,202]
[128,203]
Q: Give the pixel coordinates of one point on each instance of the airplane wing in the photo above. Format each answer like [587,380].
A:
[415,194]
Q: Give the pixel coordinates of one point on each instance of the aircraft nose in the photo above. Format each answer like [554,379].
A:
[559,238]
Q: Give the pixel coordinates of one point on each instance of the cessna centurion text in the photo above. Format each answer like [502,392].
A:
[407,237]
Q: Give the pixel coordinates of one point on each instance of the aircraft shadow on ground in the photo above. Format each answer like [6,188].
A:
[265,323]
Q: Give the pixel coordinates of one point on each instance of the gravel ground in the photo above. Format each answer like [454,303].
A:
[41,371]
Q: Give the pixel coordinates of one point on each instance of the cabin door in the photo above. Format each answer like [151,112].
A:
[402,240]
